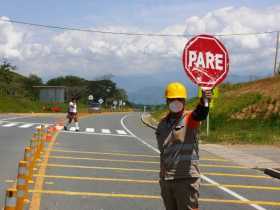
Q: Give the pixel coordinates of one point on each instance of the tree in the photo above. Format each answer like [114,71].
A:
[101,89]
[104,77]
[69,81]
[30,82]
[76,86]
[6,71]
[121,95]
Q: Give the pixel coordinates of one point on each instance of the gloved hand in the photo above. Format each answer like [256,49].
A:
[206,97]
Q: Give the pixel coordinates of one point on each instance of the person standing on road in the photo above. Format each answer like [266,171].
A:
[179,153]
[72,114]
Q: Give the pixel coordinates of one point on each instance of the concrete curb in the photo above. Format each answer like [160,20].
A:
[147,123]
[272,172]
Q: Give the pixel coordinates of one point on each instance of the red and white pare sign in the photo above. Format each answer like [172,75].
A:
[206,61]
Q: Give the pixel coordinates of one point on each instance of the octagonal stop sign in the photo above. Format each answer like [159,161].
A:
[206,61]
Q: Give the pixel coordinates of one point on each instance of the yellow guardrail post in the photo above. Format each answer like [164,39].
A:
[11,199]
[28,158]
[22,185]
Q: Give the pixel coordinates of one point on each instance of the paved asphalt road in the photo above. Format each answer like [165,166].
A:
[112,164]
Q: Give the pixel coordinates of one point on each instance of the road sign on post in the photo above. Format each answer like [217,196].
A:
[90,97]
[100,101]
[206,61]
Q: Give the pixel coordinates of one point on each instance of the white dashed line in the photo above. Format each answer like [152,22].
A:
[121,132]
[10,125]
[90,130]
[72,129]
[26,125]
[105,131]
[59,127]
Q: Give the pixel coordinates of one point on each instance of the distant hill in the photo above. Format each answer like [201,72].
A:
[150,89]
[152,95]
[147,95]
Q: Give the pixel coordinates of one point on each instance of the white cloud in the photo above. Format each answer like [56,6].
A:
[90,55]
[10,39]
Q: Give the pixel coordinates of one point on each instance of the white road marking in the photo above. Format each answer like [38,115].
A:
[121,132]
[37,123]
[26,125]
[90,130]
[72,129]
[10,124]
[231,192]
[107,131]
[59,127]
[13,118]
[98,134]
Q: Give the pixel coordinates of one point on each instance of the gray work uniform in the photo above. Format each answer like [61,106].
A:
[179,159]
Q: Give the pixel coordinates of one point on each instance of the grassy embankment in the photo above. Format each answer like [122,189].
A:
[244,113]
[11,104]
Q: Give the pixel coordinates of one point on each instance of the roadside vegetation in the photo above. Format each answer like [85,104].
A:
[19,95]
[243,113]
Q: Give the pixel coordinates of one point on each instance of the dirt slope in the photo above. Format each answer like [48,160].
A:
[268,106]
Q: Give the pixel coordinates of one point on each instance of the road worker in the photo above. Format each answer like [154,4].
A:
[72,114]
[179,153]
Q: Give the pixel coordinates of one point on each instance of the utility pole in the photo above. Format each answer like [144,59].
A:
[276,53]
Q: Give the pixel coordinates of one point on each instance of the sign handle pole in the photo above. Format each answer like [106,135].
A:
[205,99]
[276,53]
[206,102]
[207,126]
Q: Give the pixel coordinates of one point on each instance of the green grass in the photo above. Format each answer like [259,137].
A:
[224,129]
[19,104]
[254,131]
[25,105]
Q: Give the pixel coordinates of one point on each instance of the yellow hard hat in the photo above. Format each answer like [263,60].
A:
[175,90]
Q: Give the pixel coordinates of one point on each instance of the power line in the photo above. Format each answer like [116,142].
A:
[129,33]
[92,31]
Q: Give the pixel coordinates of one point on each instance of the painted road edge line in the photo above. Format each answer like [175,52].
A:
[231,192]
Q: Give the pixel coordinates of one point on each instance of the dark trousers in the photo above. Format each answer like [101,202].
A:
[180,194]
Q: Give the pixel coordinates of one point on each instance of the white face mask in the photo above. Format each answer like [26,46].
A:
[176,106]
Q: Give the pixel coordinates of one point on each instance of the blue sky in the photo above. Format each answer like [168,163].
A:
[147,14]
[136,62]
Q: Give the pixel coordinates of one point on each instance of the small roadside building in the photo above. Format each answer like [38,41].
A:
[51,94]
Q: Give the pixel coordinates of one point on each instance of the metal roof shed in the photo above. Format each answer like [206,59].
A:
[51,94]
